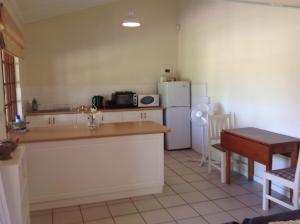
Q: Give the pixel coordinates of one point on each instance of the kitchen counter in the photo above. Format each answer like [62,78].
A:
[49,112]
[71,165]
[61,133]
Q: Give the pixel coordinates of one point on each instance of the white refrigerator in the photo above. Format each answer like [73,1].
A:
[175,100]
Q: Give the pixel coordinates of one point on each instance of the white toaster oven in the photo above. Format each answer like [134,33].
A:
[148,100]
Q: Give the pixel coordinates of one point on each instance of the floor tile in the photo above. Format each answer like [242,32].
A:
[169,172]
[218,218]
[119,201]
[241,214]
[147,205]
[192,177]
[234,190]
[44,219]
[142,197]
[67,217]
[166,192]
[130,219]
[215,193]
[250,199]
[122,209]
[182,212]
[229,204]
[171,201]
[94,213]
[42,212]
[193,197]
[195,220]
[96,204]
[253,186]
[183,188]
[157,216]
[273,210]
[202,185]
[171,180]
[101,221]
[182,170]
[204,208]
[66,209]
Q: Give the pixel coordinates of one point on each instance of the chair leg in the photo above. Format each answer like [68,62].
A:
[295,199]
[209,159]
[223,167]
[265,193]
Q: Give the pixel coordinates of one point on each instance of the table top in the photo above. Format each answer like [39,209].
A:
[62,133]
[262,136]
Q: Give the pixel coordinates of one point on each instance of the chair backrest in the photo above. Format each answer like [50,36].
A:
[216,123]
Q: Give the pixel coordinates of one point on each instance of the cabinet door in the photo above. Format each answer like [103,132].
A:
[111,117]
[64,119]
[153,115]
[130,116]
[38,121]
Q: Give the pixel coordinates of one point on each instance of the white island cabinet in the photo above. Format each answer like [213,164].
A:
[70,165]
[14,189]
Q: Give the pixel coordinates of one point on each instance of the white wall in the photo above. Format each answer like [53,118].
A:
[249,57]
[70,58]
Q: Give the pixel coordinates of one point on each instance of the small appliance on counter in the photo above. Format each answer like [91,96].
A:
[148,100]
[125,99]
[97,102]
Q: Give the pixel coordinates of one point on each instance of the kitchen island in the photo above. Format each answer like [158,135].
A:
[71,165]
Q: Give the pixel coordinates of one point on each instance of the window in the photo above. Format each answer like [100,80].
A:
[10,84]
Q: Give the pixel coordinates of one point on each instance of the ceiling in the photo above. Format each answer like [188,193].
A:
[34,10]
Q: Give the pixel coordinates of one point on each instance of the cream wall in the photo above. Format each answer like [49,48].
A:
[71,57]
[249,57]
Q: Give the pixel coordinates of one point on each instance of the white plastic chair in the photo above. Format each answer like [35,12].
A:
[288,177]
[216,123]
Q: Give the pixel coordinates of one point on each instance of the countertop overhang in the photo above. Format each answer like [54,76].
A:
[63,133]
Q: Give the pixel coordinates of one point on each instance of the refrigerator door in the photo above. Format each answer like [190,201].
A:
[174,94]
[177,119]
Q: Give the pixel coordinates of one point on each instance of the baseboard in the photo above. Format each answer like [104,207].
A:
[96,198]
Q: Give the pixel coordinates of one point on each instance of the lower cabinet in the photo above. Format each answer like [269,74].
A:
[14,188]
[145,115]
[105,117]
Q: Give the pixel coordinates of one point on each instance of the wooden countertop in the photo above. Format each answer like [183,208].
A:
[101,110]
[62,133]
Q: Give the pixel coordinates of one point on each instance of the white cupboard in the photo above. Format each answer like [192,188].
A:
[15,187]
[111,117]
[105,117]
[145,115]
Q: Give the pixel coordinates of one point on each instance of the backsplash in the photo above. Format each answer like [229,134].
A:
[74,95]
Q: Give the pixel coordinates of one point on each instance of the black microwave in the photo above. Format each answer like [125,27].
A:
[124,99]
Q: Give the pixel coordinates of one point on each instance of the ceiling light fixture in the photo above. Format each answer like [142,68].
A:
[131,21]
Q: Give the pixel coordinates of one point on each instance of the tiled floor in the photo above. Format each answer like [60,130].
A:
[191,196]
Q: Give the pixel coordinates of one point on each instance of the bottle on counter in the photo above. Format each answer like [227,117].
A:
[34,105]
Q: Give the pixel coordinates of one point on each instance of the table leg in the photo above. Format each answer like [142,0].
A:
[269,168]
[293,155]
[228,167]
[250,169]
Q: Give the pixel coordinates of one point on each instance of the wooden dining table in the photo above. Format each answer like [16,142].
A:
[257,145]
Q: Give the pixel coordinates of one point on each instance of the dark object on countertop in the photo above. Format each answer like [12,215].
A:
[6,148]
[97,102]
[126,99]
[285,216]
[34,105]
